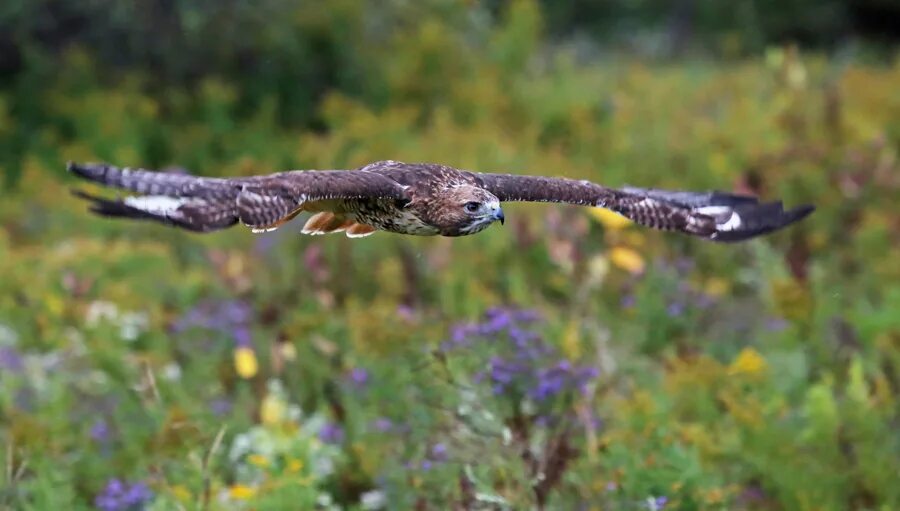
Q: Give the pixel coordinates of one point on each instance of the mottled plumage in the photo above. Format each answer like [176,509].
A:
[412,198]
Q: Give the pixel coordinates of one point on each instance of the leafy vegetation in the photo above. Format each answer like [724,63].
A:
[567,360]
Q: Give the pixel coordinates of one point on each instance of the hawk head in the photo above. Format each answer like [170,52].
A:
[465,209]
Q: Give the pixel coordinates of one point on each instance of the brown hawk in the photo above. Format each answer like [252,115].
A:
[411,198]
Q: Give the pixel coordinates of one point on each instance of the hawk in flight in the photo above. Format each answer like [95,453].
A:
[411,198]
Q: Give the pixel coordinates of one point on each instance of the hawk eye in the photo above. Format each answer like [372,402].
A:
[472,207]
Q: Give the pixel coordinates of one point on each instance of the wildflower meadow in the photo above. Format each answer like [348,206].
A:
[567,360]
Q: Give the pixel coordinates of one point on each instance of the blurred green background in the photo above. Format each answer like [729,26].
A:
[563,361]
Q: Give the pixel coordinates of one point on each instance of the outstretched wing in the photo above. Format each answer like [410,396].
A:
[715,216]
[206,204]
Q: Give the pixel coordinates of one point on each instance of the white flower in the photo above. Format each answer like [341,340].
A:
[8,336]
[656,503]
[132,324]
[372,500]
[241,445]
[171,371]
[76,341]
[97,380]
[294,413]
[322,466]
[99,310]
[326,503]
[275,386]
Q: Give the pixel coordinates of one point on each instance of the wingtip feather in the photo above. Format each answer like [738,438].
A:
[801,212]
[89,171]
[762,219]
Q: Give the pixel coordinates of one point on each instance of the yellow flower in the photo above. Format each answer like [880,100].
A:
[717,287]
[610,219]
[181,493]
[598,267]
[241,492]
[295,465]
[288,351]
[272,410]
[634,239]
[792,299]
[55,305]
[235,265]
[748,361]
[258,460]
[245,362]
[715,496]
[571,341]
[627,259]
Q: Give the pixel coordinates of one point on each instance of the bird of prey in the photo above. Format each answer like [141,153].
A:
[411,198]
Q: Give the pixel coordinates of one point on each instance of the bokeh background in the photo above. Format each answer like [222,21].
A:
[565,361]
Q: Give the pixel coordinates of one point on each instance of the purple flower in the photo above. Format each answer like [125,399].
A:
[220,406]
[675,309]
[684,265]
[704,300]
[503,371]
[241,336]
[438,452]
[522,363]
[776,324]
[331,433]
[100,431]
[656,503]
[523,339]
[122,496]
[383,425]
[593,422]
[461,335]
[436,455]
[546,421]
[235,312]
[359,376]
[496,320]
[752,494]
[549,383]
[585,375]
[406,312]
[316,264]
[10,359]
[561,378]
[265,242]
[228,317]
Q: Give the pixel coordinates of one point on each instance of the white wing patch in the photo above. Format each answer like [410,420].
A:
[713,210]
[156,204]
[257,230]
[732,224]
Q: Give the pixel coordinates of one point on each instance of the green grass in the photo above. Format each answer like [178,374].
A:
[236,371]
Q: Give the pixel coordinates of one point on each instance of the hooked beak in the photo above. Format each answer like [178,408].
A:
[498,215]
